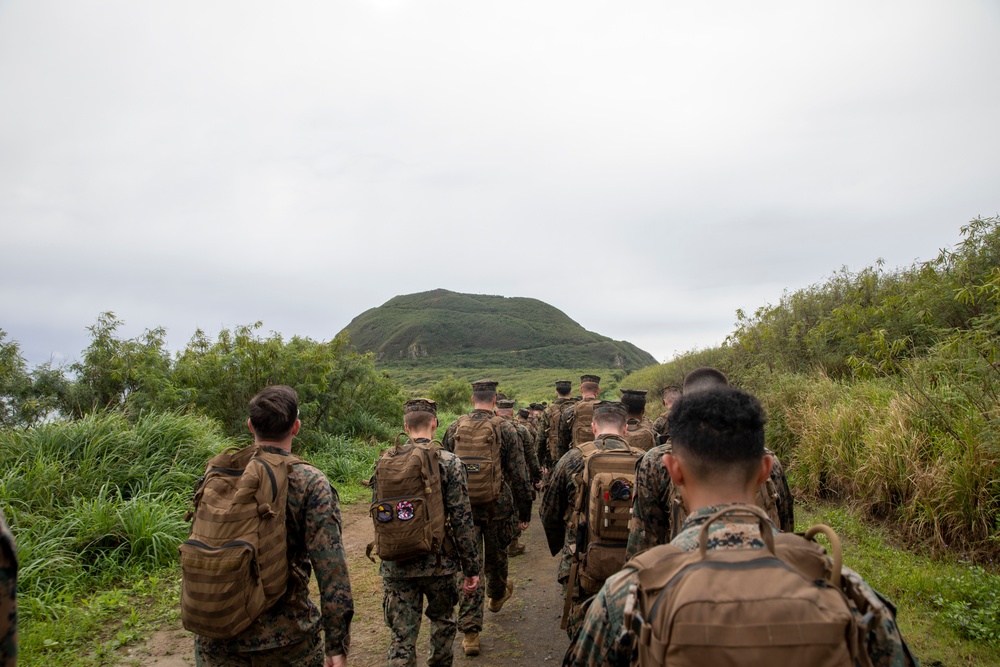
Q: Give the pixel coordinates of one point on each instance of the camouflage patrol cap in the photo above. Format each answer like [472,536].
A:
[564,384]
[523,412]
[536,406]
[501,396]
[610,408]
[420,405]
[596,379]
[505,403]
[634,397]
[485,385]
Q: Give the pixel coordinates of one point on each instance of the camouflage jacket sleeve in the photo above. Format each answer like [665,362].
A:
[786,503]
[325,547]
[650,509]
[516,471]
[565,430]
[448,441]
[598,641]
[530,455]
[884,643]
[8,596]
[556,501]
[660,425]
[541,441]
[459,511]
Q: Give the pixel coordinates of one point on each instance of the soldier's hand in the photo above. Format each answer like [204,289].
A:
[523,525]
[470,584]
[336,661]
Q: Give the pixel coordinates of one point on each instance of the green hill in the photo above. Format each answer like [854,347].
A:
[446,329]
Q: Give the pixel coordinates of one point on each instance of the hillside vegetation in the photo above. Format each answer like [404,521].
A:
[449,330]
[883,389]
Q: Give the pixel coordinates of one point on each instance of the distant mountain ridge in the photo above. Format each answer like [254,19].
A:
[441,327]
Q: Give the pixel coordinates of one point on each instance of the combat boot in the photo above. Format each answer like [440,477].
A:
[497,605]
[515,548]
[470,643]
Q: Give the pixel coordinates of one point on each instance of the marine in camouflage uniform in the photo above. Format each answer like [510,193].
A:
[8,596]
[405,584]
[638,430]
[493,522]
[557,507]
[598,640]
[589,391]
[294,630]
[719,441]
[651,509]
[505,409]
[669,395]
[547,438]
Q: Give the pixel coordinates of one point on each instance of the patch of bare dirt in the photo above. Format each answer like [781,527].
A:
[525,632]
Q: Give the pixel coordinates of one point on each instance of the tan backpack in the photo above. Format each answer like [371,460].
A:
[640,436]
[234,564]
[554,412]
[783,605]
[600,517]
[583,417]
[477,443]
[408,511]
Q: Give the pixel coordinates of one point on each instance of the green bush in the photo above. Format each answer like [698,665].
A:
[970,604]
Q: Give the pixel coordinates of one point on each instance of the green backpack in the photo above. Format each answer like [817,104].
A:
[234,564]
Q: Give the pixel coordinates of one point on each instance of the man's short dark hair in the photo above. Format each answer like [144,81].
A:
[718,431]
[703,378]
[273,412]
[609,420]
[483,396]
[418,419]
[671,390]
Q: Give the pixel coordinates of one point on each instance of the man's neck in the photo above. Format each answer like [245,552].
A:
[283,444]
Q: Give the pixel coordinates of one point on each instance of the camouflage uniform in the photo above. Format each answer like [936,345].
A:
[8,596]
[557,505]
[534,473]
[597,642]
[547,439]
[566,424]
[640,433]
[493,522]
[294,624]
[651,509]
[660,425]
[405,584]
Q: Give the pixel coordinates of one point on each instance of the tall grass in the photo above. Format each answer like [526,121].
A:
[94,499]
[923,459]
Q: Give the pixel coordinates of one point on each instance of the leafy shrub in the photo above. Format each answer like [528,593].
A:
[970,604]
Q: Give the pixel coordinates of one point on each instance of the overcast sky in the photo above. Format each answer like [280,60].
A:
[646,167]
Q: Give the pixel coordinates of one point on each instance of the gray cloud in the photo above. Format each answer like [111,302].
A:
[193,165]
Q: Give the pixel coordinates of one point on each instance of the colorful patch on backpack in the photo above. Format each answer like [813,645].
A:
[620,489]
[404,510]
[383,513]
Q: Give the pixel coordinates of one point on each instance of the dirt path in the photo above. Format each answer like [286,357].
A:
[525,632]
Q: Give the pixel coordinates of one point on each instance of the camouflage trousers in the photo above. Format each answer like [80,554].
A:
[402,606]
[307,653]
[493,539]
